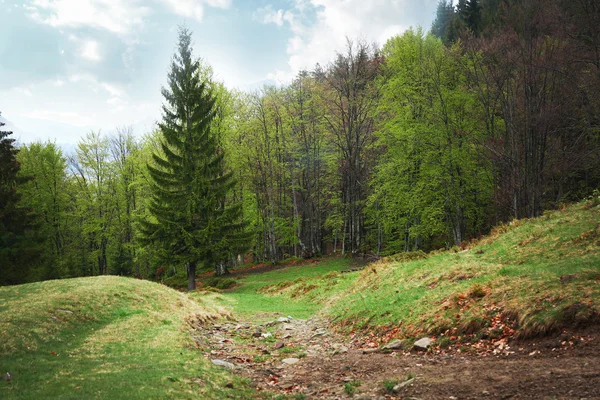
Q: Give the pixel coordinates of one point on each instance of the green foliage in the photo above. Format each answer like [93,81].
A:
[191,218]
[19,248]
[388,385]
[431,184]
[351,387]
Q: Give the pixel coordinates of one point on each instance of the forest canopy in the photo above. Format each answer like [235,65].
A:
[424,143]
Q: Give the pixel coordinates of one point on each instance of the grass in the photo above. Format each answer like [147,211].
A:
[106,337]
[389,384]
[351,387]
[257,296]
[535,276]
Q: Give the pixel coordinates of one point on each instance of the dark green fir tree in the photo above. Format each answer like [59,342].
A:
[193,217]
[19,250]
[445,24]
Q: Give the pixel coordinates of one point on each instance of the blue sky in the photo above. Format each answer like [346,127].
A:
[71,66]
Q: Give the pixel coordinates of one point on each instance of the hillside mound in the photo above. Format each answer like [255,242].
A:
[105,337]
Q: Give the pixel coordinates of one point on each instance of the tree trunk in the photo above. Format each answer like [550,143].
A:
[191,273]
[221,269]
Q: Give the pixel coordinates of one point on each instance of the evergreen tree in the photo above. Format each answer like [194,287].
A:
[191,216]
[474,18]
[17,251]
[462,10]
[445,25]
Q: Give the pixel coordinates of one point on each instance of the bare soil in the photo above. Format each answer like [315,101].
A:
[326,365]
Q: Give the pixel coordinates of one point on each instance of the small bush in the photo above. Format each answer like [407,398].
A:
[219,283]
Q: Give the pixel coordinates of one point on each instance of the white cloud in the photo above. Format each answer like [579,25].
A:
[90,51]
[320,27]
[112,15]
[268,15]
[117,16]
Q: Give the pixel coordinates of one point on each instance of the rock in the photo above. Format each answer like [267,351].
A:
[286,385]
[319,333]
[288,327]
[267,335]
[339,348]
[283,320]
[286,336]
[278,345]
[290,361]
[257,334]
[61,311]
[394,345]
[399,387]
[422,344]
[7,377]
[289,317]
[222,363]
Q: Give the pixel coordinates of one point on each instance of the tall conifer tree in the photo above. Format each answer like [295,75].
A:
[18,240]
[192,218]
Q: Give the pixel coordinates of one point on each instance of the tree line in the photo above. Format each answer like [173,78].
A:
[425,143]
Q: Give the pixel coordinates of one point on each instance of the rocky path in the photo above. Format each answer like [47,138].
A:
[304,359]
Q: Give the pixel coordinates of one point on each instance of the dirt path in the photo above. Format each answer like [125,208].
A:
[304,357]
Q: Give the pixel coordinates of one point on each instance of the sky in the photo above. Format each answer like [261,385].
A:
[68,67]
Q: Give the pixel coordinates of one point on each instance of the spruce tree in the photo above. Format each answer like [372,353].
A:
[192,217]
[18,243]
[444,25]
[474,16]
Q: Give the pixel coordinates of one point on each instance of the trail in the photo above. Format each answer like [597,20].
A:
[306,358]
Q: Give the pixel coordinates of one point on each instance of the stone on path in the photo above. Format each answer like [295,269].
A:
[339,348]
[222,363]
[422,344]
[319,333]
[290,361]
[283,320]
[397,388]
[278,345]
[394,345]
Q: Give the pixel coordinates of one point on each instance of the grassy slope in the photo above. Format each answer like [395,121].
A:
[125,338]
[248,299]
[538,275]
